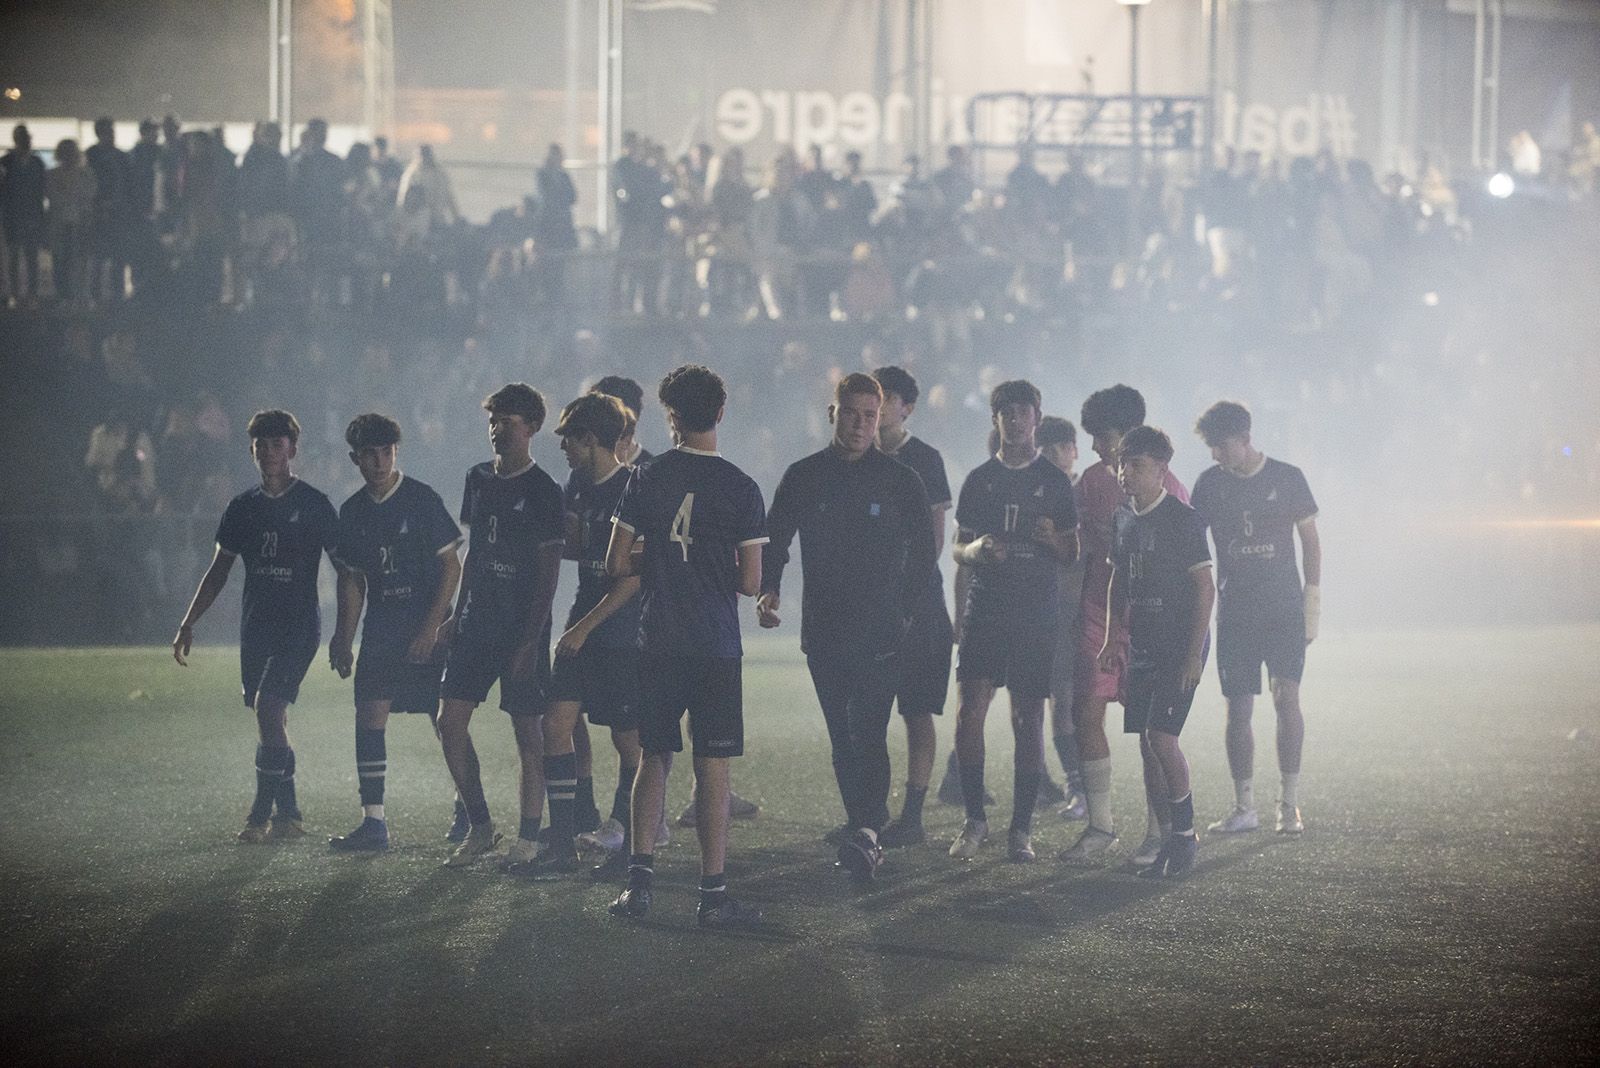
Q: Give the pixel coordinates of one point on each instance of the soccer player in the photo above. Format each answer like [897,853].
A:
[631,453]
[1058,443]
[1107,415]
[1016,525]
[1161,578]
[514,517]
[703,523]
[1254,506]
[396,551]
[596,670]
[866,549]
[924,660]
[281,527]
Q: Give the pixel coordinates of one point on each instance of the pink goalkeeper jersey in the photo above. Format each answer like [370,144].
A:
[1099,497]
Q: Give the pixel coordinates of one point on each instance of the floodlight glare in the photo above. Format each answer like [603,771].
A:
[1502,186]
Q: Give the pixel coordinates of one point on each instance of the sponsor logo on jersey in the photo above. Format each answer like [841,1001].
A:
[403,527]
[294,516]
[521,501]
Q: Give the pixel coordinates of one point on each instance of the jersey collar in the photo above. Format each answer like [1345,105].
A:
[1153,505]
[1253,472]
[513,474]
[399,478]
[695,452]
[612,475]
[1017,467]
[280,496]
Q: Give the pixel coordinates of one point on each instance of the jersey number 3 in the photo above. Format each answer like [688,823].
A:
[680,525]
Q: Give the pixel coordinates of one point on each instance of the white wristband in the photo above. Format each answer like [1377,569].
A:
[1313,603]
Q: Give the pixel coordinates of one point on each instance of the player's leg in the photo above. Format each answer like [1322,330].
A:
[528,729]
[663,686]
[461,758]
[585,816]
[1064,737]
[921,744]
[1094,689]
[716,724]
[372,764]
[976,696]
[274,762]
[870,704]
[280,680]
[831,680]
[1158,806]
[1291,739]
[1027,731]
[1177,856]
[559,771]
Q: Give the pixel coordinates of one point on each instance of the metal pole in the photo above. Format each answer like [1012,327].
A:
[569,132]
[272,60]
[286,51]
[369,63]
[1135,139]
[1212,19]
[1477,87]
[1494,85]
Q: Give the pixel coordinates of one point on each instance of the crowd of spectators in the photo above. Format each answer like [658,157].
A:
[1388,325]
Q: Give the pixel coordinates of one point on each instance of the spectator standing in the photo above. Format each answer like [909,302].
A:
[108,239]
[70,188]
[439,198]
[22,212]
[316,191]
[554,235]
[144,172]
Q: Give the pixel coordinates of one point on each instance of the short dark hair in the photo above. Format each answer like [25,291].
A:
[1145,441]
[1054,430]
[517,398]
[696,394]
[1224,419]
[1016,391]
[857,383]
[1119,408]
[625,390]
[371,431]
[600,414]
[899,381]
[274,423]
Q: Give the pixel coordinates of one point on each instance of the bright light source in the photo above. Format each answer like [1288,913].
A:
[1501,185]
[1431,299]
[13,93]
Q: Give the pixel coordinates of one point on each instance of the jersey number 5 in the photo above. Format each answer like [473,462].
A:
[680,525]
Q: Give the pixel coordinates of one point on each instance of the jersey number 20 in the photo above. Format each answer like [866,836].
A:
[680,525]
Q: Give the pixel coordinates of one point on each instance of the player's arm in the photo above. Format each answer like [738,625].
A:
[750,569]
[620,562]
[975,551]
[572,529]
[1116,604]
[783,521]
[938,513]
[1311,561]
[211,584]
[546,576]
[621,592]
[922,549]
[1061,545]
[1205,598]
[351,595]
[434,624]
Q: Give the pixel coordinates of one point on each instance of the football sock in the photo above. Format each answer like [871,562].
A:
[713,890]
[1071,764]
[1244,794]
[288,807]
[372,764]
[1024,797]
[1183,815]
[641,869]
[527,829]
[1158,819]
[622,800]
[560,784]
[972,789]
[1097,790]
[1291,788]
[912,812]
[374,812]
[269,770]
[583,799]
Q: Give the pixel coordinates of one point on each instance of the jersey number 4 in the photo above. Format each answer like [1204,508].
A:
[680,525]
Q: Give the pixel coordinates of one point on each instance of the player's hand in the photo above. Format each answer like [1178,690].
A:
[181,644]
[420,651]
[340,658]
[1192,669]
[572,641]
[1111,659]
[1044,530]
[991,550]
[767,610]
[523,659]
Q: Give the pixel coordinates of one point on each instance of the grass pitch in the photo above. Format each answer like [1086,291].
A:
[1440,907]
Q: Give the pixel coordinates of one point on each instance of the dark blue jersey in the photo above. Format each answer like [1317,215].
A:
[926,461]
[1154,553]
[1252,520]
[397,543]
[1008,502]
[866,548]
[595,503]
[281,541]
[510,517]
[694,511]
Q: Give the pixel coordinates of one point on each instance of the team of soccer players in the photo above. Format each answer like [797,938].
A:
[1078,591]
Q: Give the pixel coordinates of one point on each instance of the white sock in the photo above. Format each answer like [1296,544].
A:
[1097,790]
[1244,794]
[373,812]
[1291,789]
